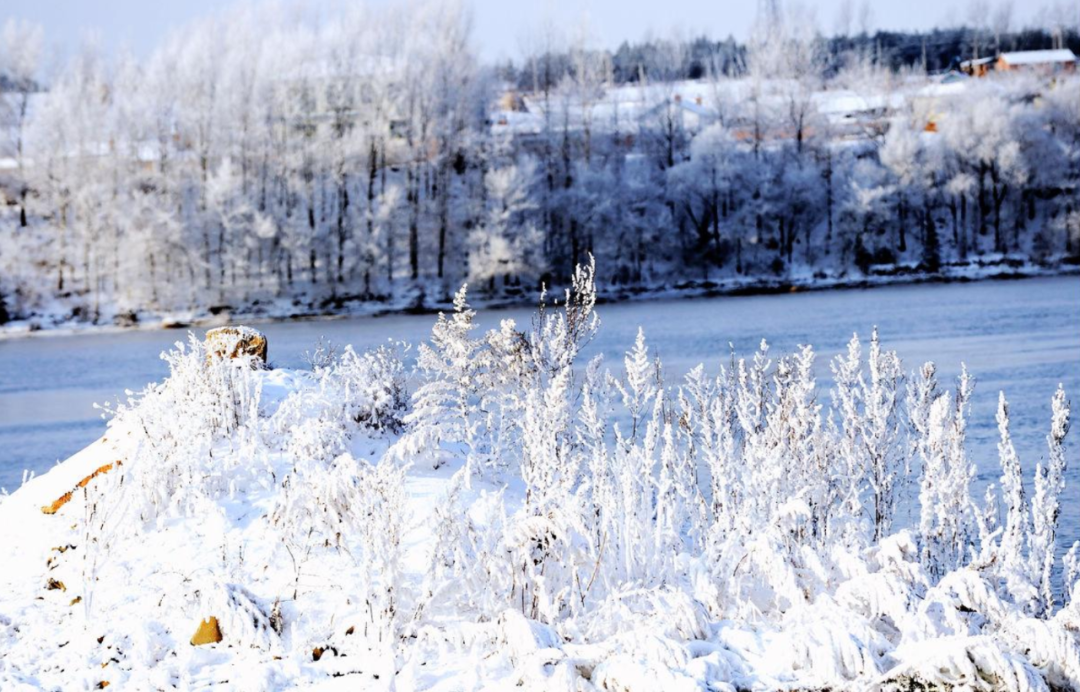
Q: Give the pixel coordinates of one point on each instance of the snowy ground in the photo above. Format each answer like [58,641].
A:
[305,512]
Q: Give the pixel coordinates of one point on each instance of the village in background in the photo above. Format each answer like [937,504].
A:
[372,162]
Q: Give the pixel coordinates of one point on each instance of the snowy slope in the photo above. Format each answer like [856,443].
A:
[499,527]
[153,588]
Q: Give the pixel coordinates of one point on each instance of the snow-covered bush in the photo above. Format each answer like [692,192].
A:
[374,386]
[350,515]
[192,432]
[352,394]
[1046,504]
[868,411]
[444,407]
[790,527]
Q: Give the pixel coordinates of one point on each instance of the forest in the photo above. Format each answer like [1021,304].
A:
[258,163]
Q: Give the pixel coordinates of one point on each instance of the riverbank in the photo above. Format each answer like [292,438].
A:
[418,302]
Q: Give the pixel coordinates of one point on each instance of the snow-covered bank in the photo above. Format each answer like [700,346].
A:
[60,322]
[511,522]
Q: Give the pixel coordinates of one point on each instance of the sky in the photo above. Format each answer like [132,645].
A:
[501,27]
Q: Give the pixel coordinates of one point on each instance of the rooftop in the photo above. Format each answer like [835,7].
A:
[1036,57]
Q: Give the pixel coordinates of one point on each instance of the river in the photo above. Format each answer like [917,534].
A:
[1021,336]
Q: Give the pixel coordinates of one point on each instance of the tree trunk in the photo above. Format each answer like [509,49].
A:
[343,207]
[444,213]
[414,223]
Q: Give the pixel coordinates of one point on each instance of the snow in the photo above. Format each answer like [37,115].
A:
[514,522]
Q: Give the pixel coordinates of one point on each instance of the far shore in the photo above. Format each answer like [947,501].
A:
[346,308]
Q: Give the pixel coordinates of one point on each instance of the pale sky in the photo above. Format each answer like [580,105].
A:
[500,26]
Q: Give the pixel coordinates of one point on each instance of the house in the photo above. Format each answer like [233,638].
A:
[695,115]
[1045,62]
[977,68]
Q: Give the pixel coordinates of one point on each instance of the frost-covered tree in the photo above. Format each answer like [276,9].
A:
[307,160]
[1046,503]
[443,407]
[869,419]
[947,513]
[1017,520]
[20,62]
[506,245]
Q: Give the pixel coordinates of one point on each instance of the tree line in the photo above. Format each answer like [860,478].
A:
[266,162]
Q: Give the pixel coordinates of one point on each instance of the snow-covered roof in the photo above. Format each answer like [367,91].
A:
[1039,57]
